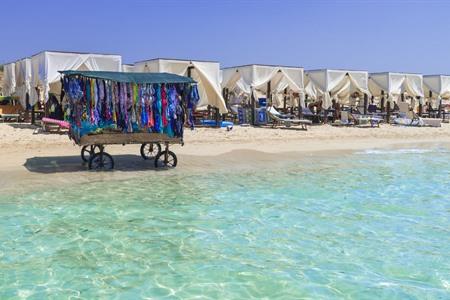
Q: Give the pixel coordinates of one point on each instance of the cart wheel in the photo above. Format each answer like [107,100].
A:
[150,151]
[88,151]
[171,161]
[101,161]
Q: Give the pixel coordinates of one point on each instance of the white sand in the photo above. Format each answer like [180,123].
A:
[32,159]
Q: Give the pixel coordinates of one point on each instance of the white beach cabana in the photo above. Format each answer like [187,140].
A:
[341,85]
[9,79]
[274,82]
[45,66]
[23,80]
[436,89]
[206,73]
[394,87]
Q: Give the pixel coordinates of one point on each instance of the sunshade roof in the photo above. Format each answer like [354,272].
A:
[132,77]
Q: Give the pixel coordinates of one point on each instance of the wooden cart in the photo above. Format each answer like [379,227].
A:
[93,148]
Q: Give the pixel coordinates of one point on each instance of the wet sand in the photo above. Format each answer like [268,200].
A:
[31,159]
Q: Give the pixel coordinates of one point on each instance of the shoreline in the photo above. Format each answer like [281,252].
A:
[34,161]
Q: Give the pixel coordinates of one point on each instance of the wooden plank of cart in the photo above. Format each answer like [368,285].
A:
[93,148]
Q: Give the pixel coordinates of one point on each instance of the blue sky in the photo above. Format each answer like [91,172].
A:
[397,35]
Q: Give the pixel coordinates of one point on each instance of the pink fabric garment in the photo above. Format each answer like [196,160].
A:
[62,124]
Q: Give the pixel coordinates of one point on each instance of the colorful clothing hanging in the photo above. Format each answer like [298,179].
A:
[128,107]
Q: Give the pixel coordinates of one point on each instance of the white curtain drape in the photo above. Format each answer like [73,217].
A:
[23,80]
[256,77]
[9,79]
[45,67]
[335,84]
[395,84]
[207,75]
[439,86]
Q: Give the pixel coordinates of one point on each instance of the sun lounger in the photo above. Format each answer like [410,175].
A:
[50,125]
[10,117]
[306,112]
[418,122]
[286,120]
[408,118]
[348,119]
[344,121]
[373,121]
[432,122]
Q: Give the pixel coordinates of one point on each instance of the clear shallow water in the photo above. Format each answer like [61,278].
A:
[374,224]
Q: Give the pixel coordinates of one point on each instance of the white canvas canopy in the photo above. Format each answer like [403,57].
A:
[127,68]
[436,88]
[9,79]
[45,67]
[206,73]
[23,79]
[335,84]
[255,78]
[395,84]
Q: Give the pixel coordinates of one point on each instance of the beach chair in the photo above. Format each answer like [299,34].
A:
[10,117]
[348,119]
[431,122]
[373,121]
[362,119]
[407,117]
[344,121]
[309,115]
[286,120]
[52,125]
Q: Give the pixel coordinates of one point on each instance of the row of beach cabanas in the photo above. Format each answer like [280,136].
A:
[34,78]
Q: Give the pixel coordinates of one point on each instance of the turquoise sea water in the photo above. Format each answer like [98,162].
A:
[368,225]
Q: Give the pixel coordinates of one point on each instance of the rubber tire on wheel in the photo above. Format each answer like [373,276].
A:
[148,150]
[101,161]
[171,160]
[86,150]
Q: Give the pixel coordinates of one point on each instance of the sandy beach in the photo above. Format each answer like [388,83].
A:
[31,158]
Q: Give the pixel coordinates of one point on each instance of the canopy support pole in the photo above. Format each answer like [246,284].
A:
[189,74]
[300,112]
[285,99]
[366,100]
[33,118]
[439,106]
[388,112]
[429,101]
[226,95]
[252,105]
[217,117]
[382,101]
[420,108]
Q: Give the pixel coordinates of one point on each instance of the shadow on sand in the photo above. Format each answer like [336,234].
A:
[63,164]
[23,126]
